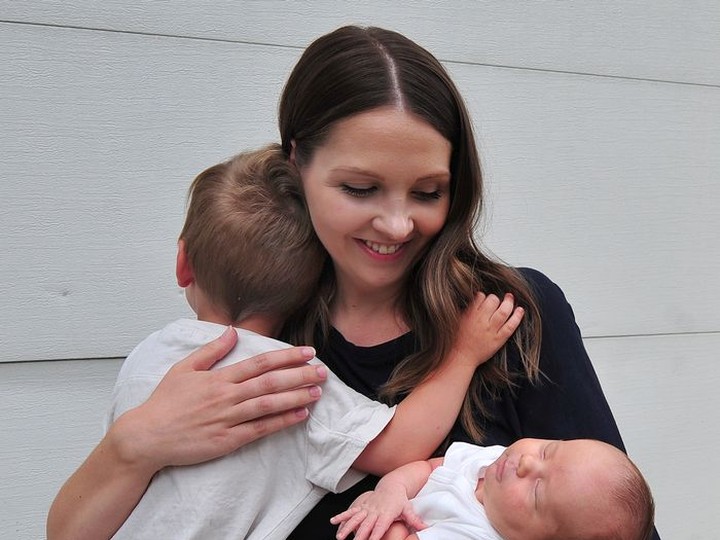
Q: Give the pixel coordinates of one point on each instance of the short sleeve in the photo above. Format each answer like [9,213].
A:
[341,425]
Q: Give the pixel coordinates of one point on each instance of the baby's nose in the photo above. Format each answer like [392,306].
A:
[527,465]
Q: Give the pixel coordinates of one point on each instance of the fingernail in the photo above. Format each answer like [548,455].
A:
[301,413]
[321,371]
[315,391]
[308,351]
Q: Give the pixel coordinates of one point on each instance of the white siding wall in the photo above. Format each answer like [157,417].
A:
[599,126]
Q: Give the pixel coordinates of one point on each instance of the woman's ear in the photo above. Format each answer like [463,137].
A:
[183,271]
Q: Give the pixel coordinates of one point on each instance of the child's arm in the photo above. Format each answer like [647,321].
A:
[424,418]
[373,512]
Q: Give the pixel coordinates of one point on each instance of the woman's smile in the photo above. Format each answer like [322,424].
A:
[385,250]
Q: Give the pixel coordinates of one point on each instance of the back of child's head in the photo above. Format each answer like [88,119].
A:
[248,237]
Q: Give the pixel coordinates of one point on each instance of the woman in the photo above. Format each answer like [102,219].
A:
[392,181]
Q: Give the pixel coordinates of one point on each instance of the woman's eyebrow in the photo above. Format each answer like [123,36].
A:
[355,170]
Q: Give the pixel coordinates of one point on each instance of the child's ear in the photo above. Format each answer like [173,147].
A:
[183,271]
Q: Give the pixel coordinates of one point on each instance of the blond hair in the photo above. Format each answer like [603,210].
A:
[248,236]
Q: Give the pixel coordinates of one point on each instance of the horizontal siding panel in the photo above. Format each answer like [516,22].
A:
[52,418]
[673,41]
[663,391]
[102,134]
[609,186]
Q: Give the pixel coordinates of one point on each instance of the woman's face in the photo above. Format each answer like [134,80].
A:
[378,191]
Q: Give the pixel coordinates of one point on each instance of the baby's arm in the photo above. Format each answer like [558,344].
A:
[373,512]
[424,418]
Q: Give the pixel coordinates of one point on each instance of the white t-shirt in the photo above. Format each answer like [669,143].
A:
[264,489]
[447,502]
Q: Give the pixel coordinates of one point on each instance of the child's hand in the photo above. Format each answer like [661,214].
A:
[372,513]
[485,326]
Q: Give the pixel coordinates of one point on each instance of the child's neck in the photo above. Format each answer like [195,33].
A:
[265,325]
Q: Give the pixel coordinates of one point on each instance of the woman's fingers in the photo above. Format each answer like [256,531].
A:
[252,430]
[270,362]
[257,409]
[209,354]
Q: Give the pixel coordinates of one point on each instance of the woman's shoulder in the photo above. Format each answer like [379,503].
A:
[549,296]
[541,284]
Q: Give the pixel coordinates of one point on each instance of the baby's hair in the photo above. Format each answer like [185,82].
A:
[248,236]
[622,506]
[632,494]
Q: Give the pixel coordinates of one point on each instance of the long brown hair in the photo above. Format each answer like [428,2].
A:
[352,70]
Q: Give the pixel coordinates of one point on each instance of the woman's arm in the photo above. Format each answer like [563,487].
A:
[424,418]
[194,415]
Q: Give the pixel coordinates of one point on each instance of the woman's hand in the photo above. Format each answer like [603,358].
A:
[485,326]
[196,414]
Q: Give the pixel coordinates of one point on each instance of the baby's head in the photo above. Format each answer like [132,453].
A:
[248,243]
[579,489]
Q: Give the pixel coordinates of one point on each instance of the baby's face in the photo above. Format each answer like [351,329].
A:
[542,488]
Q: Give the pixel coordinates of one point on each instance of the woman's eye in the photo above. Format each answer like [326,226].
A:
[428,195]
[358,191]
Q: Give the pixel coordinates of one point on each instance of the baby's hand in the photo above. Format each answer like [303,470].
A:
[372,513]
[485,326]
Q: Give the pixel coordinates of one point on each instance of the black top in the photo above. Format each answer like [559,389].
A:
[567,403]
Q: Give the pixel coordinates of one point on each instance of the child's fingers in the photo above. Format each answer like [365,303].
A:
[503,311]
[366,527]
[478,301]
[348,524]
[381,526]
[344,516]
[489,303]
[512,324]
[514,321]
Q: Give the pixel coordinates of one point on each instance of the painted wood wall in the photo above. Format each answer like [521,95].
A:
[599,127]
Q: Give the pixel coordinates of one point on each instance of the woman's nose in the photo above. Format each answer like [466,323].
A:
[395,224]
[528,465]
